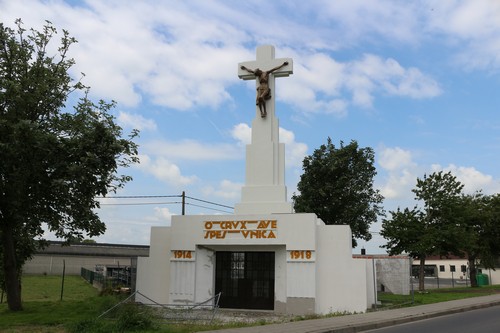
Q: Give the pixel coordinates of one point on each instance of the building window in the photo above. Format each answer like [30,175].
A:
[463,269]
[441,268]
[452,268]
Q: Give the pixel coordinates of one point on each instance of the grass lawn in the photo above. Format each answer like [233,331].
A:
[435,296]
[43,309]
[44,312]
[81,304]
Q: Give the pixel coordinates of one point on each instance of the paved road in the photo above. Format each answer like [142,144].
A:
[482,321]
[372,320]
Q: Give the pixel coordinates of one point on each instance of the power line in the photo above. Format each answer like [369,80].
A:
[140,196]
[212,203]
[141,203]
[218,210]
[183,202]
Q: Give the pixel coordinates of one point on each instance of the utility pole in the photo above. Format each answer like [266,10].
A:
[183,203]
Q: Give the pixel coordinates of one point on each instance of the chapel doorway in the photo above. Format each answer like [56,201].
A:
[246,280]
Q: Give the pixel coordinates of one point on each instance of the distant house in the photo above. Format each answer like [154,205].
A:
[448,267]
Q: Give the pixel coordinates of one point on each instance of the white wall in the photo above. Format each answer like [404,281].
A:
[371,278]
[205,265]
[326,278]
[341,280]
[297,231]
[153,272]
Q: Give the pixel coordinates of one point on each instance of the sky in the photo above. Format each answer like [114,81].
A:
[417,81]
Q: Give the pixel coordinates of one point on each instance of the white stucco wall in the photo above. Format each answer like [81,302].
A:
[371,282]
[204,278]
[153,272]
[314,269]
[341,280]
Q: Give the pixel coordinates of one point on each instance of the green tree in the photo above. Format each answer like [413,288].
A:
[490,258]
[54,160]
[406,231]
[440,193]
[337,185]
[431,229]
[479,231]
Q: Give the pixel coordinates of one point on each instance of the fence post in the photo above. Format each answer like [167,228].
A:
[62,284]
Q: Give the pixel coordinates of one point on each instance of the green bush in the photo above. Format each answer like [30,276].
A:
[127,317]
[92,326]
[132,317]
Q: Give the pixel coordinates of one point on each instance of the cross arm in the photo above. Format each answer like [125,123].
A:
[266,66]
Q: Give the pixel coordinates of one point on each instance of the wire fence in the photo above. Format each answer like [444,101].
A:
[118,279]
[203,312]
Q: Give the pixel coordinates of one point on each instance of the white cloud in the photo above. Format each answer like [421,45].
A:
[164,170]
[357,20]
[192,150]
[401,171]
[372,74]
[472,179]
[394,158]
[226,189]
[398,185]
[243,133]
[323,84]
[166,56]
[131,120]
[131,50]
[163,214]
[472,27]
[316,84]
[294,151]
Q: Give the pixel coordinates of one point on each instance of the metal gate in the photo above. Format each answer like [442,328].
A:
[246,280]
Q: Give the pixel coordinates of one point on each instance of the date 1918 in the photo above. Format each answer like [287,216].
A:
[297,255]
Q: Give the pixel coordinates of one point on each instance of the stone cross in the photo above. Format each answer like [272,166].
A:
[264,191]
[263,71]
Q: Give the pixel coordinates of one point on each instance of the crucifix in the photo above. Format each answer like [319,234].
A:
[264,190]
[264,70]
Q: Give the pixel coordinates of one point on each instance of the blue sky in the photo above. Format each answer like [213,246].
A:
[418,81]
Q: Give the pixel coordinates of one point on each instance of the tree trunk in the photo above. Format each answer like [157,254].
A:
[421,274]
[472,271]
[12,283]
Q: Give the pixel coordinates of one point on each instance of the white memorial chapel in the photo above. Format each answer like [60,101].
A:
[264,256]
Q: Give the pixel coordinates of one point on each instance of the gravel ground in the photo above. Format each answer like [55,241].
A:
[228,315]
